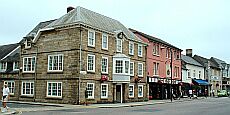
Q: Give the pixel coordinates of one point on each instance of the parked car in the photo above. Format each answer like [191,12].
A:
[222,93]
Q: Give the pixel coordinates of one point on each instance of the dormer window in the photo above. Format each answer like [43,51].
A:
[16,66]
[27,44]
[119,45]
[3,66]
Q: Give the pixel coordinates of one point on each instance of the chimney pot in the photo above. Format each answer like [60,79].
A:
[189,52]
[70,8]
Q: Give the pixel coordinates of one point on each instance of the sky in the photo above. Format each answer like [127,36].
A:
[201,25]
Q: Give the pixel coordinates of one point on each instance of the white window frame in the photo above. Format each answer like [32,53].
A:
[93,63]
[11,87]
[29,71]
[104,72]
[199,74]
[131,48]
[94,36]
[14,65]
[102,41]
[24,87]
[189,73]
[119,45]
[167,54]
[131,96]
[122,67]
[140,74]
[3,66]
[91,97]
[141,91]
[127,67]
[132,63]
[194,73]
[51,93]
[156,68]
[106,96]
[140,50]
[58,62]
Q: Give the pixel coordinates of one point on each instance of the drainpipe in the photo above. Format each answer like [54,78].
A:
[35,74]
[79,81]
[171,75]
[20,71]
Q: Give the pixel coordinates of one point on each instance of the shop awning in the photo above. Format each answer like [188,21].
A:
[201,82]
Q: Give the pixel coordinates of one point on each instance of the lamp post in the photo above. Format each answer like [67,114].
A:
[171,76]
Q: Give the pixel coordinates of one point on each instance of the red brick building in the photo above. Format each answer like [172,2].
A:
[159,57]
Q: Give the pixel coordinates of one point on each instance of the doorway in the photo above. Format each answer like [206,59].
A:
[119,93]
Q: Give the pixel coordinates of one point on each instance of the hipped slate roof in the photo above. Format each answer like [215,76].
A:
[151,38]
[35,30]
[6,49]
[219,62]
[204,61]
[190,60]
[84,16]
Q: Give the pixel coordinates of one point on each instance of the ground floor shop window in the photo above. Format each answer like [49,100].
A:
[54,89]
[27,88]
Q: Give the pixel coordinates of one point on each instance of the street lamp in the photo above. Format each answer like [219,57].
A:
[171,76]
[170,85]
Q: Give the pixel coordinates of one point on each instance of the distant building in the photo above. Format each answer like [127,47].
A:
[193,78]
[224,73]
[212,74]
[9,68]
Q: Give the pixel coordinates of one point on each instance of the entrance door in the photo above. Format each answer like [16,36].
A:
[118,93]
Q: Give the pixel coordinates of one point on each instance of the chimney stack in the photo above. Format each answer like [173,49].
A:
[189,52]
[70,8]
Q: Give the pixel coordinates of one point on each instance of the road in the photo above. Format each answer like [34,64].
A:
[210,106]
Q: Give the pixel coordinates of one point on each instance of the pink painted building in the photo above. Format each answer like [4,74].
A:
[159,57]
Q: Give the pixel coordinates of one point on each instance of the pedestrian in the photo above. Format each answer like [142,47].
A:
[213,93]
[180,95]
[5,97]
[206,93]
[190,93]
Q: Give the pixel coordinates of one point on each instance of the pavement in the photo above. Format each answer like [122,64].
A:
[52,106]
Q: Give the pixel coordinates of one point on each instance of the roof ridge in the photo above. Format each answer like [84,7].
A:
[9,44]
[152,37]
[95,13]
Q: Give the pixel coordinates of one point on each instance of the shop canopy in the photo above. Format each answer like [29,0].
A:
[200,82]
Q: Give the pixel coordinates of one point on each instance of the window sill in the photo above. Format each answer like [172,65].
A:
[51,97]
[12,95]
[131,97]
[131,54]
[51,72]
[28,72]
[27,96]
[92,46]
[105,49]
[90,71]
[104,98]
[104,73]
[90,98]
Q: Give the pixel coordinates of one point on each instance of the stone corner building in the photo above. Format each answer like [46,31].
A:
[83,56]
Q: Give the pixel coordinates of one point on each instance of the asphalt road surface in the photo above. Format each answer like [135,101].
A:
[210,106]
